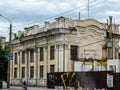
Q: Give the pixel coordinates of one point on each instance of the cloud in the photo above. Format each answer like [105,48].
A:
[27,11]
[23,12]
[113,13]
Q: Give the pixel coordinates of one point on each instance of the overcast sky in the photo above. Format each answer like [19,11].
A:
[25,13]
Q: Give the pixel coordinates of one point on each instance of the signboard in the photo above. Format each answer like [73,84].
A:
[90,54]
[9,57]
[109,80]
[109,44]
[101,63]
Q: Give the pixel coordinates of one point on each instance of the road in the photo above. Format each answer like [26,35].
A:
[29,88]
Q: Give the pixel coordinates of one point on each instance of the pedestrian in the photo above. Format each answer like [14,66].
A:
[24,84]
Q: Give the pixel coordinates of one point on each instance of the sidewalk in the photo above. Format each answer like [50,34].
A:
[29,88]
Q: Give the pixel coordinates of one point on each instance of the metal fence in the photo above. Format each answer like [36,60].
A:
[30,82]
[106,80]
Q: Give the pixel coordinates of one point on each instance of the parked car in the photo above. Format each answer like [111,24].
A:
[3,84]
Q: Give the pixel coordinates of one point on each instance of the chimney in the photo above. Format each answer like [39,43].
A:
[46,23]
[110,29]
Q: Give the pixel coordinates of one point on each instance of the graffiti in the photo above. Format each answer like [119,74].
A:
[80,80]
[70,80]
[110,80]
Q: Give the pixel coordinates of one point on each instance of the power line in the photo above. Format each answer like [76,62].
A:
[90,6]
[93,43]
[55,15]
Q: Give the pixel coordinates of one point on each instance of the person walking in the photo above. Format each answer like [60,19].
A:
[24,84]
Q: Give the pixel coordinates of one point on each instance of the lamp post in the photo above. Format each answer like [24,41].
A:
[10,35]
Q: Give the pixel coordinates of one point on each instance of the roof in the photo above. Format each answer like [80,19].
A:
[2,36]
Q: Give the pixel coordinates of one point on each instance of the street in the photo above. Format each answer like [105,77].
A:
[29,88]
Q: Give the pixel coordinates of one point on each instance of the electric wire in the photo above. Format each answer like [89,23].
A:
[67,12]
[43,19]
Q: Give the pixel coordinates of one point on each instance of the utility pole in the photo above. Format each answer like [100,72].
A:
[88,8]
[79,15]
[10,53]
[110,41]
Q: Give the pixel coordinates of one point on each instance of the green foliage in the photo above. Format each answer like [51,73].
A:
[16,38]
[19,37]
[3,62]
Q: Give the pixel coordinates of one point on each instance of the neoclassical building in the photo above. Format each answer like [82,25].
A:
[58,46]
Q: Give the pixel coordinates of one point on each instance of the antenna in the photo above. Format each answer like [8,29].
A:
[114,20]
[88,8]
[79,15]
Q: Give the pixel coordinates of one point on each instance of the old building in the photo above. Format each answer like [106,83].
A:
[60,46]
[2,41]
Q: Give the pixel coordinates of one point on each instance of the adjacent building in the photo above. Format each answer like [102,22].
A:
[64,45]
[2,41]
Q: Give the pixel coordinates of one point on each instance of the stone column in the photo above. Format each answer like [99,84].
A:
[57,58]
[34,64]
[66,58]
[61,68]
[26,71]
[18,64]
[62,57]
[36,50]
[46,61]
[46,58]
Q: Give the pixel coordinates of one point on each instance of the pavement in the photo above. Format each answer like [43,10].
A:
[28,88]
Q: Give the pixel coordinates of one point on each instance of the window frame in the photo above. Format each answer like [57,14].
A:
[31,71]
[41,71]
[52,52]
[23,72]
[31,55]
[74,52]
[15,57]
[15,73]
[41,54]
[52,68]
[23,57]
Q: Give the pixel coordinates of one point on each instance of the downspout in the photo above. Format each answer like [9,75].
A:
[64,50]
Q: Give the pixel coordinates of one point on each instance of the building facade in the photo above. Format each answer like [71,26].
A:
[64,45]
[2,41]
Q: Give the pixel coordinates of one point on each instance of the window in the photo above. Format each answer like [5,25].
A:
[41,71]
[31,56]
[41,54]
[15,72]
[23,57]
[32,72]
[52,52]
[74,52]
[23,72]
[52,68]
[15,58]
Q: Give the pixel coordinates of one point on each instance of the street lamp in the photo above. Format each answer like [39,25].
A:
[10,35]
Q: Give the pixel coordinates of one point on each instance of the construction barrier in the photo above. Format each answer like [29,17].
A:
[82,80]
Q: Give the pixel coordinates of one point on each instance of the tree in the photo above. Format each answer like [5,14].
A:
[3,62]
